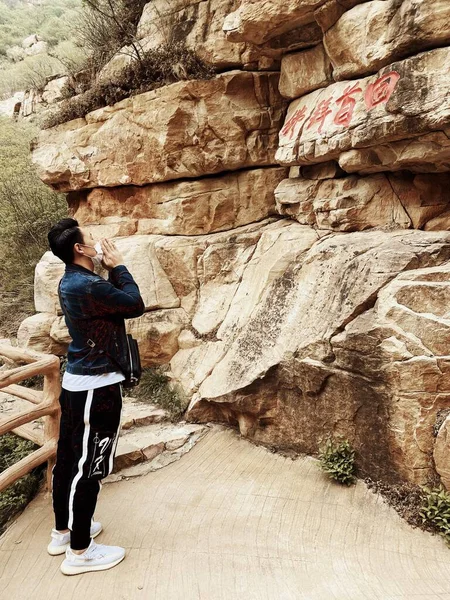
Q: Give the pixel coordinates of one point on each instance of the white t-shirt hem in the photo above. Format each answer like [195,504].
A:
[80,383]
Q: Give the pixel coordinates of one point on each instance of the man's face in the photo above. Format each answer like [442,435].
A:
[88,238]
[87,247]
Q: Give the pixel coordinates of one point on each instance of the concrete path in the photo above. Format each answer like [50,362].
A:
[230,521]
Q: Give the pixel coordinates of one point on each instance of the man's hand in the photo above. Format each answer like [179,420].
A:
[111,256]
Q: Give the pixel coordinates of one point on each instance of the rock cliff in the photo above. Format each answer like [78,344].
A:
[287,222]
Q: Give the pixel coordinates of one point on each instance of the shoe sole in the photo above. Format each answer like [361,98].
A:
[61,549]
[68,570]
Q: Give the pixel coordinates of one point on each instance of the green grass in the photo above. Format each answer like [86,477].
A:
[154,388]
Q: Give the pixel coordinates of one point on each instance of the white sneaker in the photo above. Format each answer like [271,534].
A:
[61,541]
[97,557]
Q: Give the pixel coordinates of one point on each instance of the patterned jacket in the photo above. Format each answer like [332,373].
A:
[94,309]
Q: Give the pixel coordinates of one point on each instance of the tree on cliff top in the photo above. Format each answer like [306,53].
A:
[109,25]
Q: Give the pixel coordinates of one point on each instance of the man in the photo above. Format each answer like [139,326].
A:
[91,395]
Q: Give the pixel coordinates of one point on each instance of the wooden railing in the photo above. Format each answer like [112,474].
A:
[45,404]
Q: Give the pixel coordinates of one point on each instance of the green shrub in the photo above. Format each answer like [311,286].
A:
[32,72]
[337,459]
[435,510]
[28,209]
[16,496]
[154,388]
[52,20]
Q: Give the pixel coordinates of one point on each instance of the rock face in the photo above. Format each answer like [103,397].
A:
[428,153]
[304,72]
[186,129]
[330,12]
[403,100]
[36,332]
[258,21]
[53,90]
[198,23]
[357,203]
[441,451]
[294,267]
[189,207]
[393,29]
[341,334]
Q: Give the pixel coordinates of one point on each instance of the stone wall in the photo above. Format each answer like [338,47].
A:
[287,222]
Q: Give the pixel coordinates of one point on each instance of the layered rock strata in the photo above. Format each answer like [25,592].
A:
[287,222]
[187,129]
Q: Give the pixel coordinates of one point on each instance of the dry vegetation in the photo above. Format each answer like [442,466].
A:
[155,69]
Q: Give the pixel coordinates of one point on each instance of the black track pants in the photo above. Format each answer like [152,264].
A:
[89,430]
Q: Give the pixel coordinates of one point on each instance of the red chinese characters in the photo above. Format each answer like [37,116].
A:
[376,93]
[290,126]
[381,90]
[320,113]
[347,105]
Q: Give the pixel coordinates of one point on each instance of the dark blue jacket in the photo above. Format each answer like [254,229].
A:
[95,309]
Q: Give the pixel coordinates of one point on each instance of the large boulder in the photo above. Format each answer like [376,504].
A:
[402,347]
[291,332]
[54,89]
[304,72]
[157,334]
[340,339]
[35,332]
[330,12]
[47,274]
[341,263]
[403,100]
[197,23]
[428,153]
[258,21]
[356,203]
[183,261]
[374,34]
[187,129]
[220,269]
[190,207]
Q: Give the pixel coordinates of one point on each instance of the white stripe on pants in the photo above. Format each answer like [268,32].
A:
[87,428]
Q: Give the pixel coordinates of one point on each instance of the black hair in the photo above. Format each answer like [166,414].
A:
[62,237]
